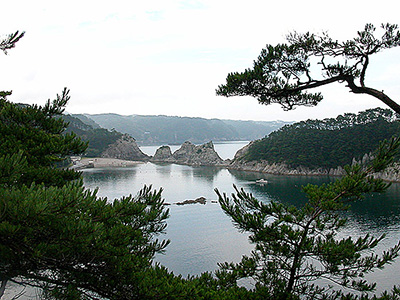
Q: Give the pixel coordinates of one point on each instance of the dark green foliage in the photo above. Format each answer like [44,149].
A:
[98,138]
[58,236]
[296,246]
[327,143]
[67,238]
[285,73]
[36,132]
[159,283]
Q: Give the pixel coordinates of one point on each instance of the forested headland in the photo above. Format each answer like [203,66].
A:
[327,143]
[98,138]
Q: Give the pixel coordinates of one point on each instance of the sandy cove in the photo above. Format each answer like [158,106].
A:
[100,162]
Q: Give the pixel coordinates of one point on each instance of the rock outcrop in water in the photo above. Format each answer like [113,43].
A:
[205,155]
[190,154]
[163,154]
[125,148]
[200,200]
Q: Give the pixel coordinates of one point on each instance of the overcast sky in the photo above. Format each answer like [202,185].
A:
[168,56]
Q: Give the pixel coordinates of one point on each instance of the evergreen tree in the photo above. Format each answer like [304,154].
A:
[38,132]
[294,247]
[55,234]
[68,241]
[285,73]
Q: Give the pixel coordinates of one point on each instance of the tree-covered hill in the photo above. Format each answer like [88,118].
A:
[99,138]
[153,130]
[327,143]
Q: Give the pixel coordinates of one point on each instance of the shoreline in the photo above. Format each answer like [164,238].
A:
[102,162]
[390,175]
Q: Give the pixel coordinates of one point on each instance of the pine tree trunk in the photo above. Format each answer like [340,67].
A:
[3,287]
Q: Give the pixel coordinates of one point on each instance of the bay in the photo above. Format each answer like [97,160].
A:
[202,236]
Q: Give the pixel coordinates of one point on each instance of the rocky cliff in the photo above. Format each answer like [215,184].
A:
[190,154]
[280,168]
[239,163]
[163,154]
[125,148]
[390,174]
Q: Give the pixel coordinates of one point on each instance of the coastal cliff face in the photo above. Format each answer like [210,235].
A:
[125,148]
[390,174]
[263,166]
[239,163]
[281,168]
[190,154]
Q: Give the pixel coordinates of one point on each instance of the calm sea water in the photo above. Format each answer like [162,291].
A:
[201,235]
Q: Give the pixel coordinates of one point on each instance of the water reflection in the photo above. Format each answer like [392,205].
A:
[202,236]
[110,174]
[206,173]
[379,209]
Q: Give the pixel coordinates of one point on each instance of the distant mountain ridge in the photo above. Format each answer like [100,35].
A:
[153,130]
